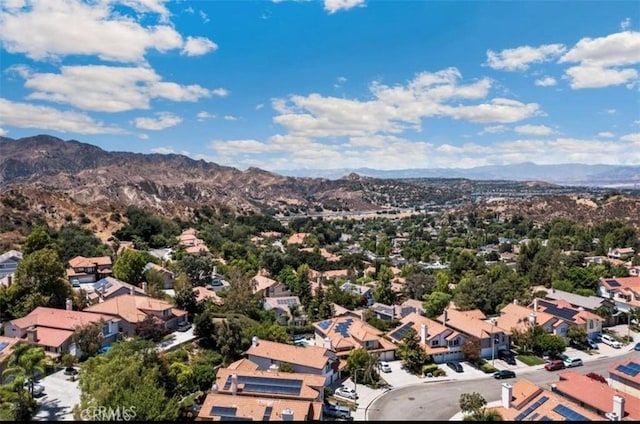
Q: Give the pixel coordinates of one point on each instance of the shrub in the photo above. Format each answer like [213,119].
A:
[429,368]
[439,372]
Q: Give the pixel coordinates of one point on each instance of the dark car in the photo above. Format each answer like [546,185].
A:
[554,365]
[504,374]
[184,326]
[507,357]
[70,371]
[637,346]
[455,366]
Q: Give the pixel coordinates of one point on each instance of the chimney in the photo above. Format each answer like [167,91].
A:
[327,343]
[32,334]
[131,291]
[423,334]
[144,286]
[535,305]
[234,384]
[532,319]
[618,407]
[69,305]
[444,317]
[215,270]
[254,341]
[507,393]
[515,301]
[287,414]
[214,388]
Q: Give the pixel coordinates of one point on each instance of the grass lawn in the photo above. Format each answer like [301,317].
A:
[531,359]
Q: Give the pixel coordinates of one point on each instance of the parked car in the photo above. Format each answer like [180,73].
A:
[336,411]
[346,392]
[70,371]
[637,346]
[184,326]
[504,374]
[38,389]
[609,340]
[592,344]
[455,366]
[573,362]
[507,356]
[385,367]
[554,365]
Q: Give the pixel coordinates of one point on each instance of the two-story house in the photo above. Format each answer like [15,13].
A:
[168,277]
[515,317]
[359,290]
[441,343]
[316,360]
[88,270]
[588,303]
[268,286]
[9,262]
[286,309]
[624,291]
[562,309]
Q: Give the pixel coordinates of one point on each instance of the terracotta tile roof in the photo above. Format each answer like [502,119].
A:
[336,273]
[311,385]
[7,350]
[581,316]
[297,238]
[203,293]
[619,283]
[468,322]
[131,308]
[263,282]
[243,364]
[257,409]
[413,303]
[324,253]
[82,262]
[348,332]
[434,330]
[620,375]
[526,394]
[52,337]
[58,318]
[595,394]
[517,317]
[311,356]
[110,285]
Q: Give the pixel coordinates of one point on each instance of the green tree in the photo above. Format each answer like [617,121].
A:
[471,350]
[37,239]
[473,406]
[411,353]
[39,281]
[129,266]
[549,343]
[435,303]
[229,340]
[198,268]
[89,338]
[577,335]
[285,367]
[204,329]
[186,300]
[26,363]
[131,374]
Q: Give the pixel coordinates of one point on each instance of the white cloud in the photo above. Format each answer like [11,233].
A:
[242,147]
[163,150]
[220,92]
[26,115]
[519,58]
[602,60]
[333,6]
[197,46]
[634,137]
[546,82]
[143,136]
[230,118]
[81,28]
[625,24]
[3,132]
[494,129]
[164,120]
[534,130]
[204,17]
[606,134]
[109,88]
[259,106]
[608,112]
[205,115]
[393,109]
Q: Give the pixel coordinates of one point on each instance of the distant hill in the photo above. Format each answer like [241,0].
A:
[565,174]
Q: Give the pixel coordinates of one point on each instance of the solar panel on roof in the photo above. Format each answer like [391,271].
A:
[634,365]
[3,345]
[627,369]
[532,408]
[279,386]
[613,283]
[569,413]
[400,332]
[224,411]
[545,418]
[267,413]
[325,324]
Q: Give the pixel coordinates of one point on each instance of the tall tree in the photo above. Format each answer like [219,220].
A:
[229,340]
[411,353]
[26,363]
[129,266]
[39,238]
[89,338]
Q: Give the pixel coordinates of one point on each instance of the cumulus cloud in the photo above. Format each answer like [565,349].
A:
[603,61]
[394,109]
[606,134]
[109,88]
[625,24]
[162,121]
[533,130]
[143,136]
[634,137]
[197,46]
[204,115]
[333,6]
[520,58]
[27,115]
[230,118]
[3,132]
[220,92]
[494,129]
[545,82]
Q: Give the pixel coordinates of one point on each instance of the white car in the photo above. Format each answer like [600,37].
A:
[346,392]
[607,339]
[385,367]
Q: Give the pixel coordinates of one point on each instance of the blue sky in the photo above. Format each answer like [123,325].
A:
[329,84]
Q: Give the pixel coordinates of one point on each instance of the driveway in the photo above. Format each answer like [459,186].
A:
[61,395]
[180,338]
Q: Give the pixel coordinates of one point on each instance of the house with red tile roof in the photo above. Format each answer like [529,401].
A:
[625,376]
[526,401]
[193,245]
[89,270]
[284,307]
[134,310]
[324,253]
[473,324]
[268,286]
[316,360]
[596,396]
[53,328]
[204,293]
[109,287]
[518,317]
[441,343]
[297,238]
[580,317]
[624,291]
[168,277]
[620,253]
[225,407]
[346,333]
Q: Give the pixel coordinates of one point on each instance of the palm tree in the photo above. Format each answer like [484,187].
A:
[26,362]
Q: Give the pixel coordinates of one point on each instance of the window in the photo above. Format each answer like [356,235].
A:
[454,342]
[435,342]
[591,323]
